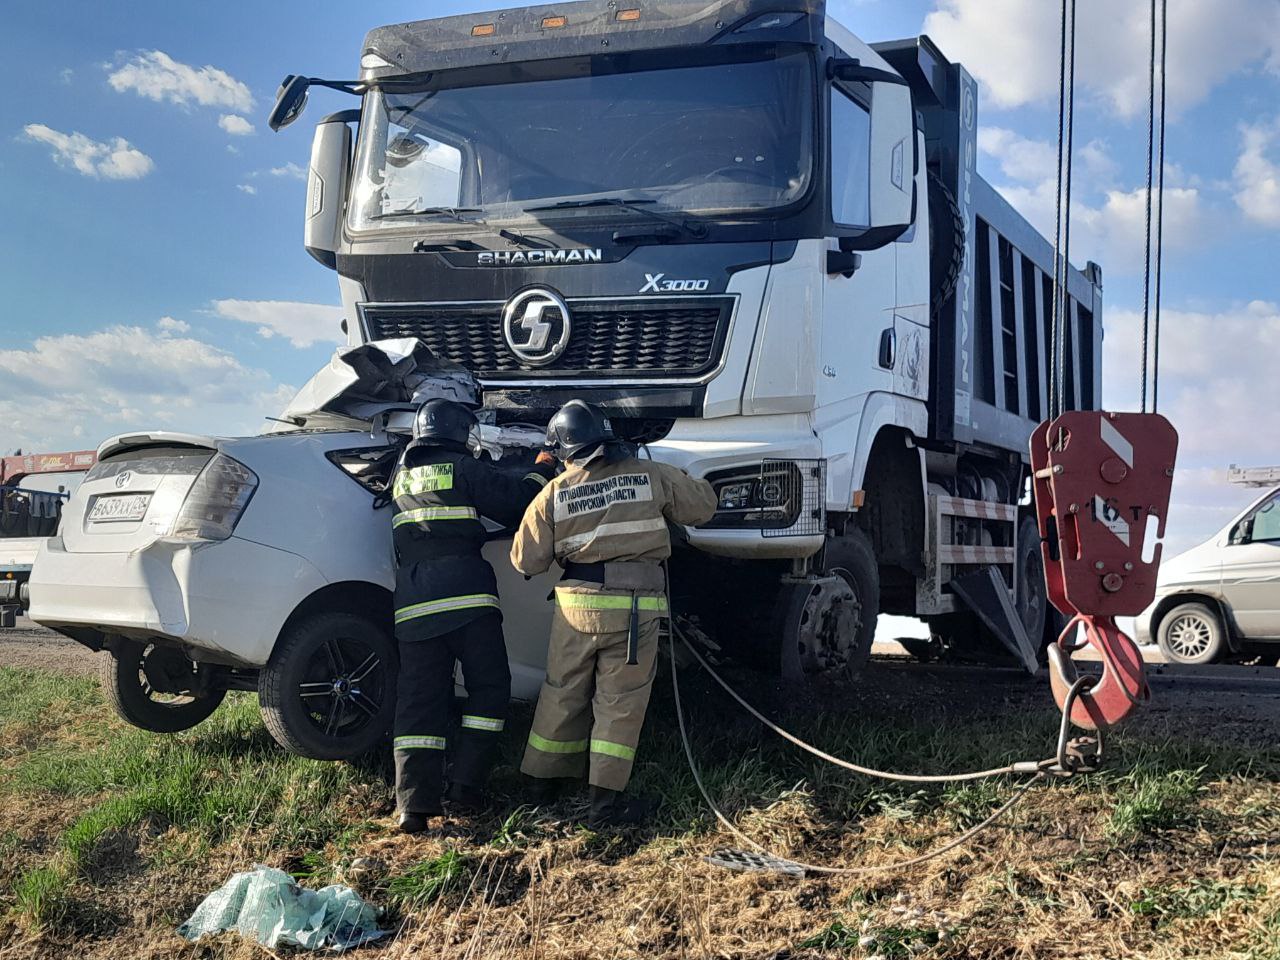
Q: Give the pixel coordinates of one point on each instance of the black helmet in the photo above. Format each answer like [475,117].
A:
[446,420]
[577,427]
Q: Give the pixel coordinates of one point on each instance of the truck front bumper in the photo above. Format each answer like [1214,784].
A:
[223,601]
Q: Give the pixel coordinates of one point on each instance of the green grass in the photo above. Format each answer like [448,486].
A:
[429,880]
[1151,801]
[221,780]
[227,785]
[1200,898]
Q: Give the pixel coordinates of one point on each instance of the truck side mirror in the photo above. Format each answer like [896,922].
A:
[291,98]
[893,158]
[327,187]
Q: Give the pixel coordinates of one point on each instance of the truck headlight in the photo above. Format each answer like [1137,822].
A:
[215,501]
[776,497]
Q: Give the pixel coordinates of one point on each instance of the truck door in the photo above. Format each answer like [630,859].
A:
[858,348]
[1251,571]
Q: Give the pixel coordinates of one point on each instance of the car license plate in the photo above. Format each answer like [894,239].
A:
[126,506]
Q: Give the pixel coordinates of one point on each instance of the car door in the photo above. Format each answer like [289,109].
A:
[1251,571]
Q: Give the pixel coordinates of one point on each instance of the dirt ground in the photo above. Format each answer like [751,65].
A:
[28,646]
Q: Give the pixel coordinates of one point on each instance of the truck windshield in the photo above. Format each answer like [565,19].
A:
[713,139]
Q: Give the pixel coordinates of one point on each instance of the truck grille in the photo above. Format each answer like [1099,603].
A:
[676,338]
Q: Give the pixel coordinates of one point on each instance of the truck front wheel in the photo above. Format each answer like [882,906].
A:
[328,691]
[827,622]
[157,688]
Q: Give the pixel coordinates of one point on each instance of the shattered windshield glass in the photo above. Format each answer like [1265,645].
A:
[709,139]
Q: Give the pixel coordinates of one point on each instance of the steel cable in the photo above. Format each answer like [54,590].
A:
[1151,139]
[810,867]
[1155,363]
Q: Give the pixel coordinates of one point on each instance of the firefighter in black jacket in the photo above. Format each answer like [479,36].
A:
[446,605]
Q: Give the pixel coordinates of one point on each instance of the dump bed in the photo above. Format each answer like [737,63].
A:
[991,362]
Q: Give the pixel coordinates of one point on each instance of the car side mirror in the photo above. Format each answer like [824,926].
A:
[1244,532]
[291,99]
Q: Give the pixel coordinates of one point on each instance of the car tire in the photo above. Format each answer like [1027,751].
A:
[828,628]
[1191,633]
[133,671]
[328,691]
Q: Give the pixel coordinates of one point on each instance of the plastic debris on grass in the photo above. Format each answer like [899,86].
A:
[266,905]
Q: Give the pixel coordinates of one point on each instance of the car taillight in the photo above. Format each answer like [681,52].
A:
[215,501]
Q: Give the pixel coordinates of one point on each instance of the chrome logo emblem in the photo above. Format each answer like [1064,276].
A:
[123,478]
[536,325]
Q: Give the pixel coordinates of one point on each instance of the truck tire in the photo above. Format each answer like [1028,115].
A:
[328,691]
[130,677]
[1191,633]
[946,243]
[827,626]
[1032,600]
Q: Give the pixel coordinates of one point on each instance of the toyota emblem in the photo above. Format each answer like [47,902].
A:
[123,478]
[536,326]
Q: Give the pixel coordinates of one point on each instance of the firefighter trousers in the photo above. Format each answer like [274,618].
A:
[592,705]
[424,711]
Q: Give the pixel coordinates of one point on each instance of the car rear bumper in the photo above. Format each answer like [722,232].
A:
[228,599]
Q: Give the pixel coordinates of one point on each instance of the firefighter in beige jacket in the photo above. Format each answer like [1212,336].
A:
[605,521]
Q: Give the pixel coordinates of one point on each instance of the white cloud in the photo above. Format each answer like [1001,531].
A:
[122,378]
[1258,172]
[248,188]
[290,169]
[66,75]
[168,325]
[302,324]
[1217,370]
[235,125]
[1019,158]
[1011,46]
[1110,227]
[116,159]
[157,76]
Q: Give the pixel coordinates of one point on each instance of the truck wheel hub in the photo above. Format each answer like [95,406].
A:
[829,625]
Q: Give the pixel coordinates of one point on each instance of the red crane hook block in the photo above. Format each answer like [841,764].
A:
[1100,480]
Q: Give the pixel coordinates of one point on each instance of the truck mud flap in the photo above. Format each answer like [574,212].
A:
[985,593]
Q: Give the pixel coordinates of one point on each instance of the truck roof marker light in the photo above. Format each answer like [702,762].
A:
[627,15]
[770,21]
[483,30]
[554,23]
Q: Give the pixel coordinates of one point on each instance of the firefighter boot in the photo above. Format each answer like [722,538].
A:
[610,808]
[466,799]
[544,791]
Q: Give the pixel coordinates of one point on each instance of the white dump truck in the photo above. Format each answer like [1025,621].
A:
[758,242]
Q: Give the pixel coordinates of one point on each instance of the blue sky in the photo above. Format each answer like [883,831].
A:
[139,284]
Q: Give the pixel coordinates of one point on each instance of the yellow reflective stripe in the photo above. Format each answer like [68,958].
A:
[605,601]
[429,476]
[621,751]
[537,478]
[446,605]
[556,746]
[434,513]
[419,743]
[493,724]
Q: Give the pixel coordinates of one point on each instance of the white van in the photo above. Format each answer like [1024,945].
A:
[1222,596]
